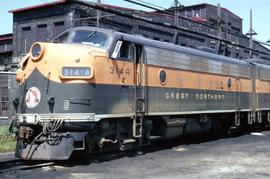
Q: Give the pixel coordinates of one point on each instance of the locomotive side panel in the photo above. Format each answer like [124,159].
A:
[263,88]
[195,84]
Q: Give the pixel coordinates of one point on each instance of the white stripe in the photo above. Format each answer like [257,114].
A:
[195,112]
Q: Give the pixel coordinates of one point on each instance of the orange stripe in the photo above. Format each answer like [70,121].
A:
[262,86]
[107,71]
[196,80]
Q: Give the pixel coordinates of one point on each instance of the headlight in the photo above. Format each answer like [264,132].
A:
[36,51]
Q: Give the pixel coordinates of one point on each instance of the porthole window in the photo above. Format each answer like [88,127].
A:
[162,77]
[229,83]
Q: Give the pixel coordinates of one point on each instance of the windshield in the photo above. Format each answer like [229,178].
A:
[88,37]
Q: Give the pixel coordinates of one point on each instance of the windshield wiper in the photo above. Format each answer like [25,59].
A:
[90,35]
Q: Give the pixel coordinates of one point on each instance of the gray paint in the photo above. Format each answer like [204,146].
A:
[113,99]
[186,100]
[82,98]
[188,61]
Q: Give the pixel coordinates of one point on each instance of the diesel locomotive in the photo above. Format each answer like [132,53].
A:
[94,90]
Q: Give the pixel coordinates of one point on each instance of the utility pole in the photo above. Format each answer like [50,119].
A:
[177,7]
[226,48]
[219,21]
[98,13]
[176,12]
[251,33]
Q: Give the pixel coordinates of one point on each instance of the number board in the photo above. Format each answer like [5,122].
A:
[75,72]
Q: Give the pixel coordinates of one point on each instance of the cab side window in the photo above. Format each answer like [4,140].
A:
[123,50]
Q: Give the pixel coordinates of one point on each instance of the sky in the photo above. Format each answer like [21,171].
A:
[260,8]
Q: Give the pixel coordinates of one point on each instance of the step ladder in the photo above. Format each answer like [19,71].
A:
[137,126]
[127,144]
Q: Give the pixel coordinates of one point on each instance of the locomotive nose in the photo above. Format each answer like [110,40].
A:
[36,53]
[60,61]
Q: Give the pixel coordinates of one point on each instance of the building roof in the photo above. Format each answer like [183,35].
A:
[119,7]
[6,37]
[58,2]
[38,6]
[206,4]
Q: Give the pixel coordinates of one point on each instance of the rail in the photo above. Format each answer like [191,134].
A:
[17,164]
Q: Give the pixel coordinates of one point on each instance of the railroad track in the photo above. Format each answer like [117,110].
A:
[17,164]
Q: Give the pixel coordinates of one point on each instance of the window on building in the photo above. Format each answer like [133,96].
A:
[246,51]
[183,44]
[58,27]
[189,13]
[212,20]
[5,58]
[227,53]
[197,13]
[236,29]
[27,39]
[42,34]
[4,99]
[4,94]
[236,55]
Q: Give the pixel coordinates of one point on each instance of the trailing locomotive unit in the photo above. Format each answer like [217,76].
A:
[94,90]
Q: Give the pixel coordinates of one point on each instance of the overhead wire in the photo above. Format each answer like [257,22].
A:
[141,1]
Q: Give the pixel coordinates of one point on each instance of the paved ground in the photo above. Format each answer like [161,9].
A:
[246,156]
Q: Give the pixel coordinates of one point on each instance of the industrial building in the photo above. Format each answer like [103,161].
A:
[197,26]
[6,52]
